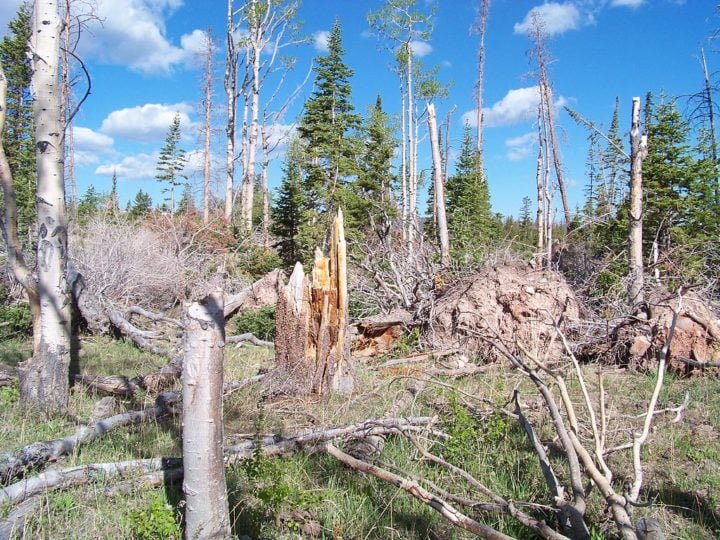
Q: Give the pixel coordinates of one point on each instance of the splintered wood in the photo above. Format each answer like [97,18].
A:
[312,344]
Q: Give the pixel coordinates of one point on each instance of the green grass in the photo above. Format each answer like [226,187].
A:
[285,497]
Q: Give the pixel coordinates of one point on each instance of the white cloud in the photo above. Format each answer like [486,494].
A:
[88,145]
[556,18]
[520,147]
[320,40]
[132,33]
[138,166]
[147,123]
[280,135]
[627,3]
[518,105]
[420,48]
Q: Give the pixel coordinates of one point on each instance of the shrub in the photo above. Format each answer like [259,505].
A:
[155,521]
[15,320]
[260,322]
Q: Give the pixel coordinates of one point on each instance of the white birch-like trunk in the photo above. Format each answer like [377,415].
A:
[207,128]
[638,151]
[412,169]
[231,92]
[484,9]
[439,186]
[264,185]
[403,170]
[204,486]
[249,172]
[44,379]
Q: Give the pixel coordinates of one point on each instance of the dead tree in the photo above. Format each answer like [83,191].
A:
[206,504]
[207,131]
[231,71]
[480,27]
[439,186]
[541,54]
[44,378]
[312,344]
[638,152]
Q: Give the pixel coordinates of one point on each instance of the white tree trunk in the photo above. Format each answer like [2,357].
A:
[638,151]
[44,379]
[204,486]
[207,105]
[231,92]
[249,172]
[439,186]
[412,169]
[482,25]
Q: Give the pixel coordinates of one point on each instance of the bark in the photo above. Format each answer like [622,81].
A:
[204,486]
[560,175]
[412,167]
[231,67]
[9,225]
[12,526]
[256,33]
[264,186]
[207,106]
[439,185]
[638,152]
[710,110]
[312,342]
[38,454]
[44,378]
[539,180]
[8,375]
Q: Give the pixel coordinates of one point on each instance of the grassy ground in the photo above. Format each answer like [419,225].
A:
[300,495]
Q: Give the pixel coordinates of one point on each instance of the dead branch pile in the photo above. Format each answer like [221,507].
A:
[511,303]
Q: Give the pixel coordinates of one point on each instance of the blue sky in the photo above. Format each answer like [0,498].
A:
[144,66]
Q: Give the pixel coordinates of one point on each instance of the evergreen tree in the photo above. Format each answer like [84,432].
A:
[470,219]
[141,205]
[186,204]
[113,200]
[526,222]
[172,162]
[609,192]
[18,137]
[90,204]
[327,129]
[290,208]
[372,201]
[668,174]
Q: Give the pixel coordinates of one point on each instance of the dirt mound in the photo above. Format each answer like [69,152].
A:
[515,305]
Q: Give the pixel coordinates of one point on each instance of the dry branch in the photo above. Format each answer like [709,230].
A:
[13,524]
[261,293]
[454,516]
[38,454]
[8,375]
[241,338]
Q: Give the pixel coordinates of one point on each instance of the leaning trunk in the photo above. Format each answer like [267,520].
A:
[206,502]
[638,151]
[44,380]
[439,186]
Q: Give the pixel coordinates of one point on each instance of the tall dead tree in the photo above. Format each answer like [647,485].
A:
[541,55]
[231,72]
[44,378]
[638,152]
[207,127]
[312,345]
[480,27]
[204,486]
[439,187]
[16,262]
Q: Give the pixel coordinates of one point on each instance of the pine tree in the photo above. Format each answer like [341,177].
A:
[327,129]
[186,204]
[470,219]
[19,138]
[526,222]
[668,173]
[90,204]
[141,205]
[172,162]
[372,201]
[609,192]
[113,202]
[290,208]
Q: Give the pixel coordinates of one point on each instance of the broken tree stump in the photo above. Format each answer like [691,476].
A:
[312,342]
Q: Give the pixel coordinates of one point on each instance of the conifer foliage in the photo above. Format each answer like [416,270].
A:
[172,162]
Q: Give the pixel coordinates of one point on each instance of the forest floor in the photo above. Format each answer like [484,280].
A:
[303,495]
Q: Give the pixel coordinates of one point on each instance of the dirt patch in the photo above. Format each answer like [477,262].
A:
[516,305]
